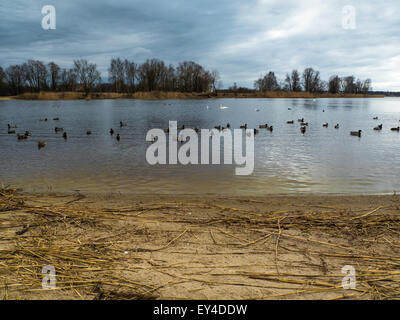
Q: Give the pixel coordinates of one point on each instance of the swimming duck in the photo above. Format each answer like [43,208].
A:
[356,133]
[337,126]
[65,135]
[378,128]
[303,129]
[270,128]
[166,130]
[228,125]
[111,131]
[395,129]
[255,131]
[304,124]
[11,131]
[88,132]
[56,129]
[56,119]
[196,130]
[300,120]
[22,137]
[290,122]
[375,118]
[263,126]
[325,125]
[118,137]
[27,134]
[41,144]
[244,126]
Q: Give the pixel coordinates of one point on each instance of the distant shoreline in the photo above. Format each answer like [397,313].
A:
[161,95]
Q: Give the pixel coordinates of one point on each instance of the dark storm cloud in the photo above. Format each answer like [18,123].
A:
[242,39]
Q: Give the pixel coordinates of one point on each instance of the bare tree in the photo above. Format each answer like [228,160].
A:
[334,84]
[36,75]
[116,74]
[348,84]
[3,83]
[68,80]
[54,72]
[15,79]
[267,83]
[130,69]
[87,74]
[312,81]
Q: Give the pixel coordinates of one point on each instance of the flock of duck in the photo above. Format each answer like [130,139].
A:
[303,128]
[42,144]
[302,122]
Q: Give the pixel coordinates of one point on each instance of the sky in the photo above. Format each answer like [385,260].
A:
[241,39]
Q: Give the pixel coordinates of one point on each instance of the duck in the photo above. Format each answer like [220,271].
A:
[118,137]
[290,122]
[303,129]
[304,124]
[166,130]
[300,120]
[65,135]
[263,126]
[88,132]
[337,126]
[356,133]
[217,127]
[45,119]
[270,128]
[395,129]
[255,131]
[375,118]
[57,129]
[41,144]
[56,119]
[196,130]
[27,134]
[182,127]
[11,131]
[244,126]
[378,128]
[22,137]
[122,124]
[325,125]
[111,131]
[228,125]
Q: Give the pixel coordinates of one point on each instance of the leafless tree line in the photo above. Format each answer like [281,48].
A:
[310,81]
[124,76]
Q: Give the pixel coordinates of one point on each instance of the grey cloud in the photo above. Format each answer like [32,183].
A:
[240,39]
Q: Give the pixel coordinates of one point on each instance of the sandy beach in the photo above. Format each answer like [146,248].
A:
[198,247]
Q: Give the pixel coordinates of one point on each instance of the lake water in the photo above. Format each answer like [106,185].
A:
[324,160]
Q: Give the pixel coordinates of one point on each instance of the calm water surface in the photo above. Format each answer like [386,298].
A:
[324,160]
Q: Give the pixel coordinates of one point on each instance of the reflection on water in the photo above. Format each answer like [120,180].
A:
[324,160]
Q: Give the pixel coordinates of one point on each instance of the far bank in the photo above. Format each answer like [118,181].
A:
[162,95]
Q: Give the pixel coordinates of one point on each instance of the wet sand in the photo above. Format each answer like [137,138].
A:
[198,247]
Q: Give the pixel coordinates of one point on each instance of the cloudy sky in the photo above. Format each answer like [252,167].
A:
[241,39]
